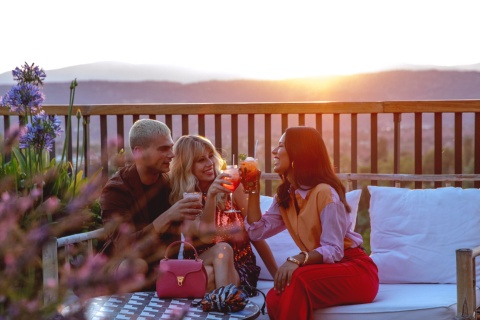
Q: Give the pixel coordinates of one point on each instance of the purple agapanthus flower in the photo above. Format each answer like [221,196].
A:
[41,133]
[29,74]
[24,97]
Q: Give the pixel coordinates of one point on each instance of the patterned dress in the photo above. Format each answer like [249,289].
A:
[231,229]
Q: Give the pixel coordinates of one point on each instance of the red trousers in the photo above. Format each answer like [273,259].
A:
[352,280]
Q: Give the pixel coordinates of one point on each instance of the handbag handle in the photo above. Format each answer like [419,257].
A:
[178,242]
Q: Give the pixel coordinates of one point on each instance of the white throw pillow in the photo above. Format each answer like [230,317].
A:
[415,233]
[283,246]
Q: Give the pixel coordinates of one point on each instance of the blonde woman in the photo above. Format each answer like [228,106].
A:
[219,237]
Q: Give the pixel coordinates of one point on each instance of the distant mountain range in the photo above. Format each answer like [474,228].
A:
[391,85]
[126,72]
[103,83]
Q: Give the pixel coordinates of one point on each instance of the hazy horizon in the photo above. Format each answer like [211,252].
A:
[128,72]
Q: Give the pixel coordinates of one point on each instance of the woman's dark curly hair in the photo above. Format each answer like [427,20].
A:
[311,164]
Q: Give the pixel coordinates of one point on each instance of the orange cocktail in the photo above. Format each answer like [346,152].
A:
[249,171]
[235,180]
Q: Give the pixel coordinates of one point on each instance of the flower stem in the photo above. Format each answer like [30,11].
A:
[67,128]
[79,116]
[84,143]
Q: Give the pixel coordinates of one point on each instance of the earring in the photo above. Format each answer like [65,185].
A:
[293,167]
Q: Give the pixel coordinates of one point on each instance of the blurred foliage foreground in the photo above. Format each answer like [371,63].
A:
[41,198]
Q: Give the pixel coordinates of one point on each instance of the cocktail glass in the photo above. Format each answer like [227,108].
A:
[249,171]
[234,178]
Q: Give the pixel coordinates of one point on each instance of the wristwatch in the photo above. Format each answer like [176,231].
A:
[292,259]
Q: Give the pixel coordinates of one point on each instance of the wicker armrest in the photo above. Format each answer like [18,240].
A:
[466,283]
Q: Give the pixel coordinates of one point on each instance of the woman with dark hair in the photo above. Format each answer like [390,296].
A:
[331,267]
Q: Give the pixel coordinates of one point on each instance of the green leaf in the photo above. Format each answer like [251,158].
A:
[22,161]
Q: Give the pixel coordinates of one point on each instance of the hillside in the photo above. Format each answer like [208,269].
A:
[388,85]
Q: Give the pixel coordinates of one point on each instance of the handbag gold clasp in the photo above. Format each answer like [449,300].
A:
[180,280]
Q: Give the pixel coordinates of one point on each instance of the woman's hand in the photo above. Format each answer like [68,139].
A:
[217,185]
[284,276]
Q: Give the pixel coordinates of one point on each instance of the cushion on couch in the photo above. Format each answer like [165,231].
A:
[414,233]
[393,301]
[282,244]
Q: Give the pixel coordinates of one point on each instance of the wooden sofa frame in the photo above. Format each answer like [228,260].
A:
[465,257]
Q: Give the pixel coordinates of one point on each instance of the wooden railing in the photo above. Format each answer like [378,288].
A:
[362,137]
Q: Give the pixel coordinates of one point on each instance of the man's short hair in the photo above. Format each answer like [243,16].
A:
[143,130]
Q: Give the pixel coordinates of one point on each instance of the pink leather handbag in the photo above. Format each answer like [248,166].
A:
[181,278]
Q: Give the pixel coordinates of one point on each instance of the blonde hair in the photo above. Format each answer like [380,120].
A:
[144,130]
[188,149]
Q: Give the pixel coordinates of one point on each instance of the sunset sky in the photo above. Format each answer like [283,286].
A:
[259,39]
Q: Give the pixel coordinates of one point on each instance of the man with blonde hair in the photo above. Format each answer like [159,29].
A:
[136,212]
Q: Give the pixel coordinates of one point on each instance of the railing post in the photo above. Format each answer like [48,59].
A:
[268,160]
[353,147]
[86,143]
[476,158]
[120,133]
[349,185]
[185,129]
[218,131]
[234,135]
[458,146]
[104,148]
[418,159]
[438,147]
[397,118]
[466,303]
[50,271]
[374,145]
[336,142]
[6,126]
[251,133]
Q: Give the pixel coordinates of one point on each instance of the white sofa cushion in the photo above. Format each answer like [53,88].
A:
[414,233]
[282,244]
[393,301]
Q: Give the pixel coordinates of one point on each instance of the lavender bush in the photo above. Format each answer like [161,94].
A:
[40,198]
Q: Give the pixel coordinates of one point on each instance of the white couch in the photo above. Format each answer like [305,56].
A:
[414,237]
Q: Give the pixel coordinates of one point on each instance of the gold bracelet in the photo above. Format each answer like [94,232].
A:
[292,259]
[306,257]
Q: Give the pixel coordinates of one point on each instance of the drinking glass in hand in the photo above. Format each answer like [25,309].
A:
[249,172]
[234,178]
[195,195]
